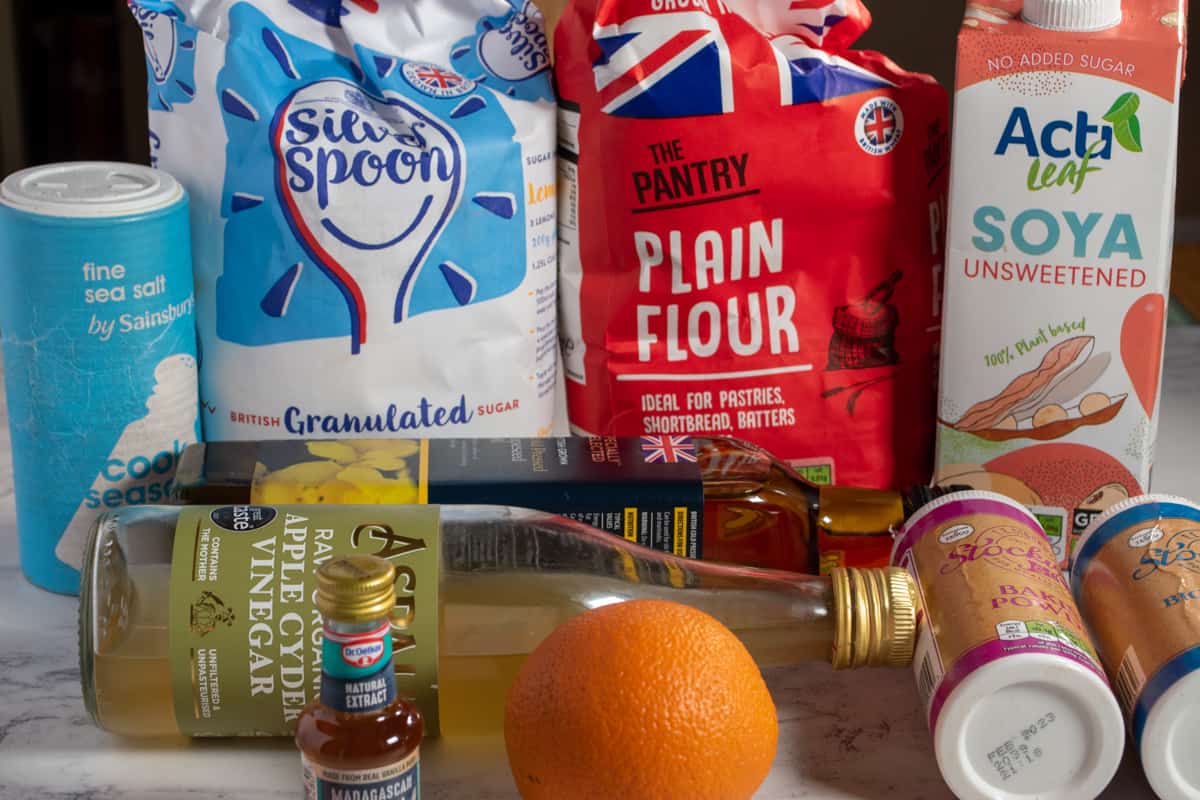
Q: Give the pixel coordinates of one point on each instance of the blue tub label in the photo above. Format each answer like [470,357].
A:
[375,193]
[140,466]
[98,317]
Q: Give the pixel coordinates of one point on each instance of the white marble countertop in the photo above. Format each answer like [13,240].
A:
[842,735]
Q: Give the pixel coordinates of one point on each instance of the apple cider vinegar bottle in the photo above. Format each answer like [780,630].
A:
[200,620]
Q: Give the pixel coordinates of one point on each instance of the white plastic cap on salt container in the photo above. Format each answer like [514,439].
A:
[93,189]
[1072,15]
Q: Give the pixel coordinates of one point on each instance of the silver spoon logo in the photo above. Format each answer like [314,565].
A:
[518,49]
[367,185]
[158,31]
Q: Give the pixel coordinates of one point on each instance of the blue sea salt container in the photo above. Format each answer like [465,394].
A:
[97,319]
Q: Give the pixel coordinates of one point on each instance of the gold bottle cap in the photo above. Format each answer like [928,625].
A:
[875,617]
[356,588]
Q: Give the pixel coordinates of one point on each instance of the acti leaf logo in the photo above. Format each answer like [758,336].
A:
[1127,129]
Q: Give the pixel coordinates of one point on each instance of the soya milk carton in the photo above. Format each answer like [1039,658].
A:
[1059,251]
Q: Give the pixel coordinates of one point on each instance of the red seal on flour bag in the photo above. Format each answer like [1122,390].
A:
[751,227]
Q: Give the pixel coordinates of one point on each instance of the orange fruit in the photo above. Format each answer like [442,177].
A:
[645,700]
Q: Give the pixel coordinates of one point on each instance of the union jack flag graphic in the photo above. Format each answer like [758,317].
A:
[664,65]
[445,80]
[809,75]
[881,127]
[668,449]
[813,20]
[331,12]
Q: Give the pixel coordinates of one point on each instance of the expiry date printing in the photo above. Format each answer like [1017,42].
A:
[1020,750]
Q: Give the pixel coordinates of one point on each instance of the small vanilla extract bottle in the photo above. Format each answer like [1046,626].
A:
[358,739]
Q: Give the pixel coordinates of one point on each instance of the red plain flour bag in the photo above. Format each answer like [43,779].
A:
[750,231]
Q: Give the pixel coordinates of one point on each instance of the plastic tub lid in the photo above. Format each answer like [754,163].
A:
[89,189]
[1170,741]
[1030,726]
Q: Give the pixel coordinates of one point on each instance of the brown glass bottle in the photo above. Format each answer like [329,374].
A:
[358,736]
[757,510]
[760,511]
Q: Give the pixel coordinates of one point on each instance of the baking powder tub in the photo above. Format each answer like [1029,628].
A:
[1014,694]
[1136,575]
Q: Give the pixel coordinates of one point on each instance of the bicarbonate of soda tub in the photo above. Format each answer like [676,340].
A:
[1136,578]
[1061,216]
[97,313]
[374,216]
